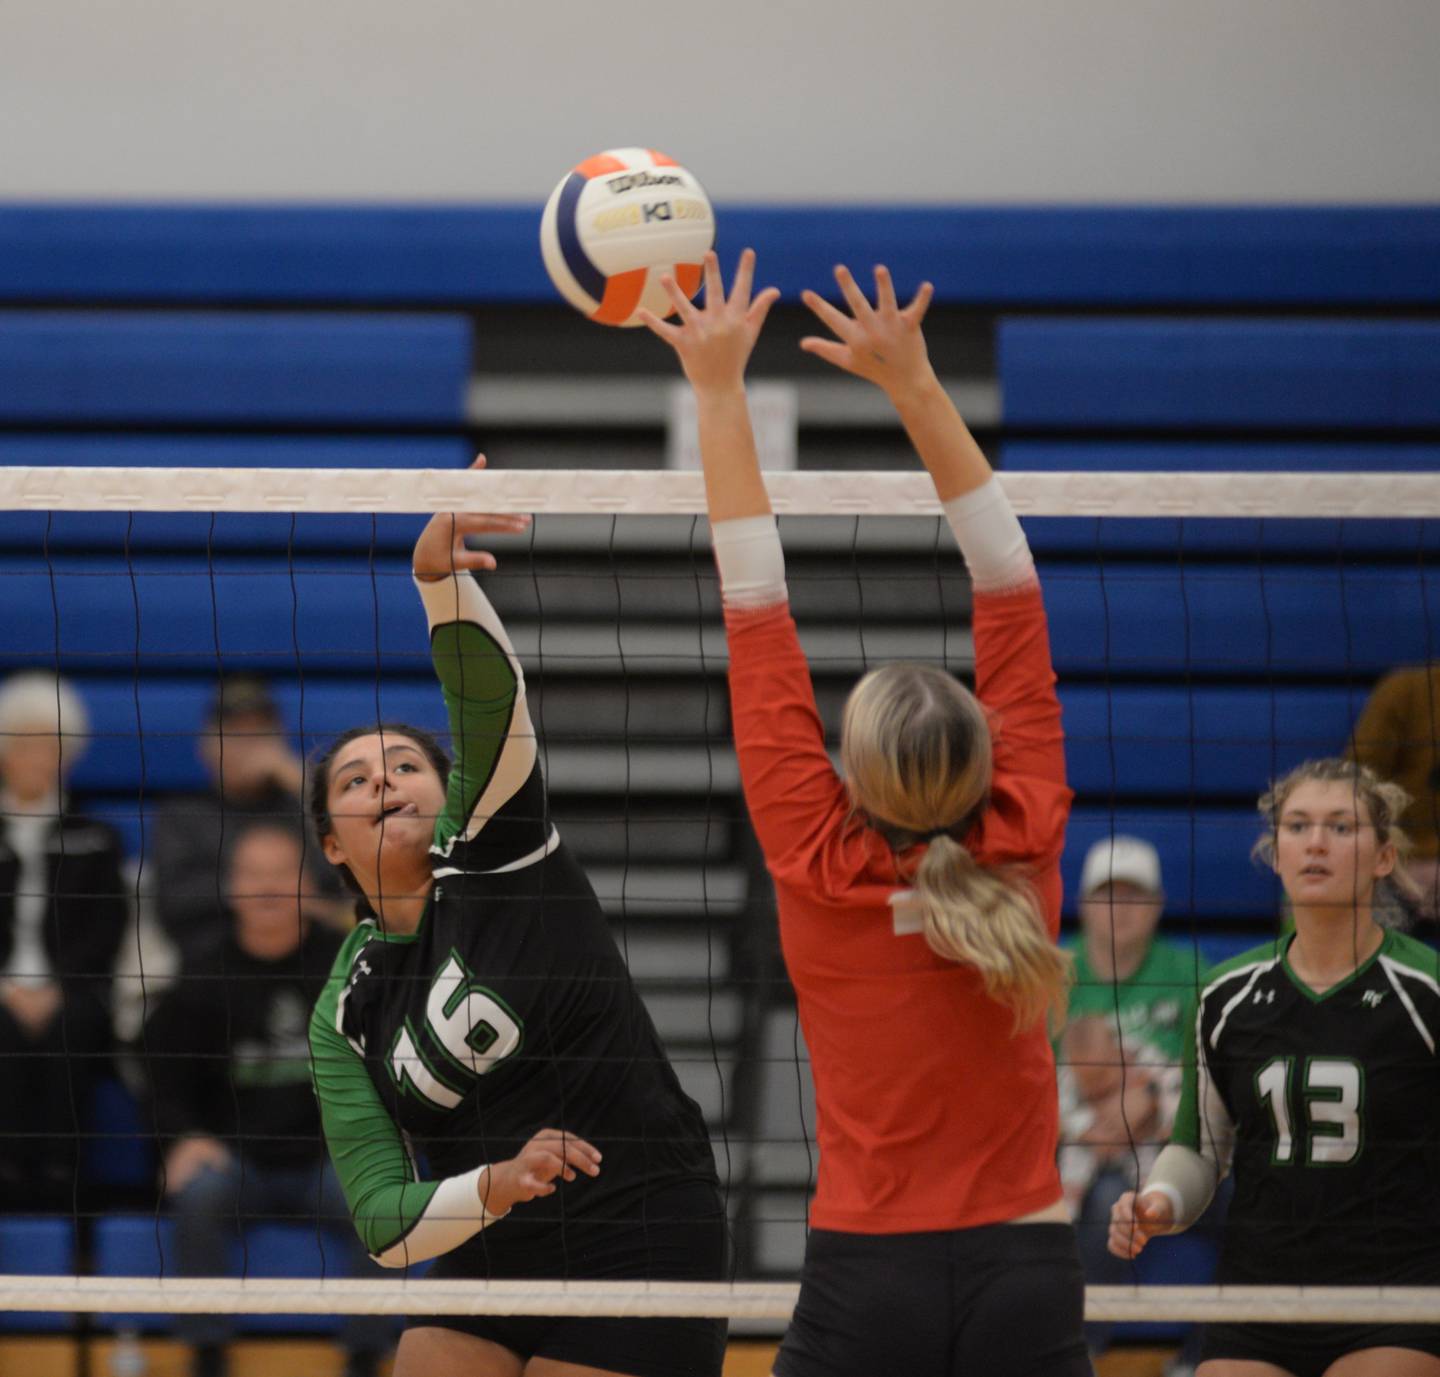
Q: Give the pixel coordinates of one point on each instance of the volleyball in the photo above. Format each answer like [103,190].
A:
[616,224]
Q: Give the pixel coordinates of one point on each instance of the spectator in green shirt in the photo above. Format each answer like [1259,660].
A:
[1119,1054]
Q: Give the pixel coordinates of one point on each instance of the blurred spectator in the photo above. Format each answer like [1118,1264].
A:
[229,1067]
[1120,1052]
[254,774]
[63,911]
[1398,736]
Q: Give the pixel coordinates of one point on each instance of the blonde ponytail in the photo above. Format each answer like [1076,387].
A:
[915,746]
[992,922]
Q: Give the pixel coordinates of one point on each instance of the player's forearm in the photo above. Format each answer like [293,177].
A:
[1187,1179]
[940,437]
[400,1220]
[734,486]
[402,1223]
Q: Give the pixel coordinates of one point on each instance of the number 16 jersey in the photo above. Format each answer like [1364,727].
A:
[508,1010]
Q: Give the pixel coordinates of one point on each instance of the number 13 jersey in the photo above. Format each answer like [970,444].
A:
[1332,1104]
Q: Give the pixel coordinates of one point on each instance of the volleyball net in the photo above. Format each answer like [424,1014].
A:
[1210,630]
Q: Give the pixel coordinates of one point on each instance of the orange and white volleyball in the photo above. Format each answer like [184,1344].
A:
[616,224]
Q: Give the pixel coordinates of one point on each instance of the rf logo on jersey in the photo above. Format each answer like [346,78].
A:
[468,1031]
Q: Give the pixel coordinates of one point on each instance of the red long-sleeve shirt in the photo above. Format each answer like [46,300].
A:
[932,1113]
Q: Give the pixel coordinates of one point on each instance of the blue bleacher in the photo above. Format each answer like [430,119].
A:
[184,367]
[143,1245]
[1209,741]
[1266,374]
[184,613]
[172,713]
[36,1245]
[117,1150]
[976,255]
[1158,741]
[1245,621]
[1248,620]
[1204,857]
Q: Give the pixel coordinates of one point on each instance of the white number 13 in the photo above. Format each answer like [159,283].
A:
[1333,1091]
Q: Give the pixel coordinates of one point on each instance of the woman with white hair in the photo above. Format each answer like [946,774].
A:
[62,916]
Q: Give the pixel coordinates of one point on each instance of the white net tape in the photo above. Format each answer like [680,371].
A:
[659,1299]
[649,492]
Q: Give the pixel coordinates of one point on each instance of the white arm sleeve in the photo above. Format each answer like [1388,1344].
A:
[991,539]
[459,598]
[1187,1179]
[454,1215]
[750,561]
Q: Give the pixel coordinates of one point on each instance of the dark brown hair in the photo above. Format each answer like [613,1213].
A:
[318,792]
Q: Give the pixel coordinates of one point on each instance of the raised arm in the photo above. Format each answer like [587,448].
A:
[484,688]
[779,735]
[791,788]
[714,343]
[885,345]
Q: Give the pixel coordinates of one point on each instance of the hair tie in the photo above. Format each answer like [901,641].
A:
[936,832]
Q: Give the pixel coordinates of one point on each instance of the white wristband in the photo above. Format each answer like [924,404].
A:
[750,560]
[990,538]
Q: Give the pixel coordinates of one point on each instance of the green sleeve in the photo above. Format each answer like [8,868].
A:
[1186,1129]
[481,685]
[484,687]
[385,1199]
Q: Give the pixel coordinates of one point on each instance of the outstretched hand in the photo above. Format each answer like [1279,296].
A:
[883,343]
[532,1171]
[441,549]
[714,341]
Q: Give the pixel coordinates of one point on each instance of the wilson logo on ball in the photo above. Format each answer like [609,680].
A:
[616,224]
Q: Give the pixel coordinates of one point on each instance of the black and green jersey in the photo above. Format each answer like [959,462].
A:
[1329,1107]
[507,1011]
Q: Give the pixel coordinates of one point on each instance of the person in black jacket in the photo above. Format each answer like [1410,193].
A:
[63,910]
[229,1069]
[254,775]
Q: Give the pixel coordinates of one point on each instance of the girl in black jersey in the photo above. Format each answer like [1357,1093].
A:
[1313,1075]
[480,1017]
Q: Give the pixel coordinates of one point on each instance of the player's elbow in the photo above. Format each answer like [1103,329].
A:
[381,1236]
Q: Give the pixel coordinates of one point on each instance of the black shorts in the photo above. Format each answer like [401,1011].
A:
[684,1238]
[1307,1350]
[1005,1300]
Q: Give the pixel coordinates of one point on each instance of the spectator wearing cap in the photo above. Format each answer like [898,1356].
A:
[1120,1051]
[63,910]
[255,775]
